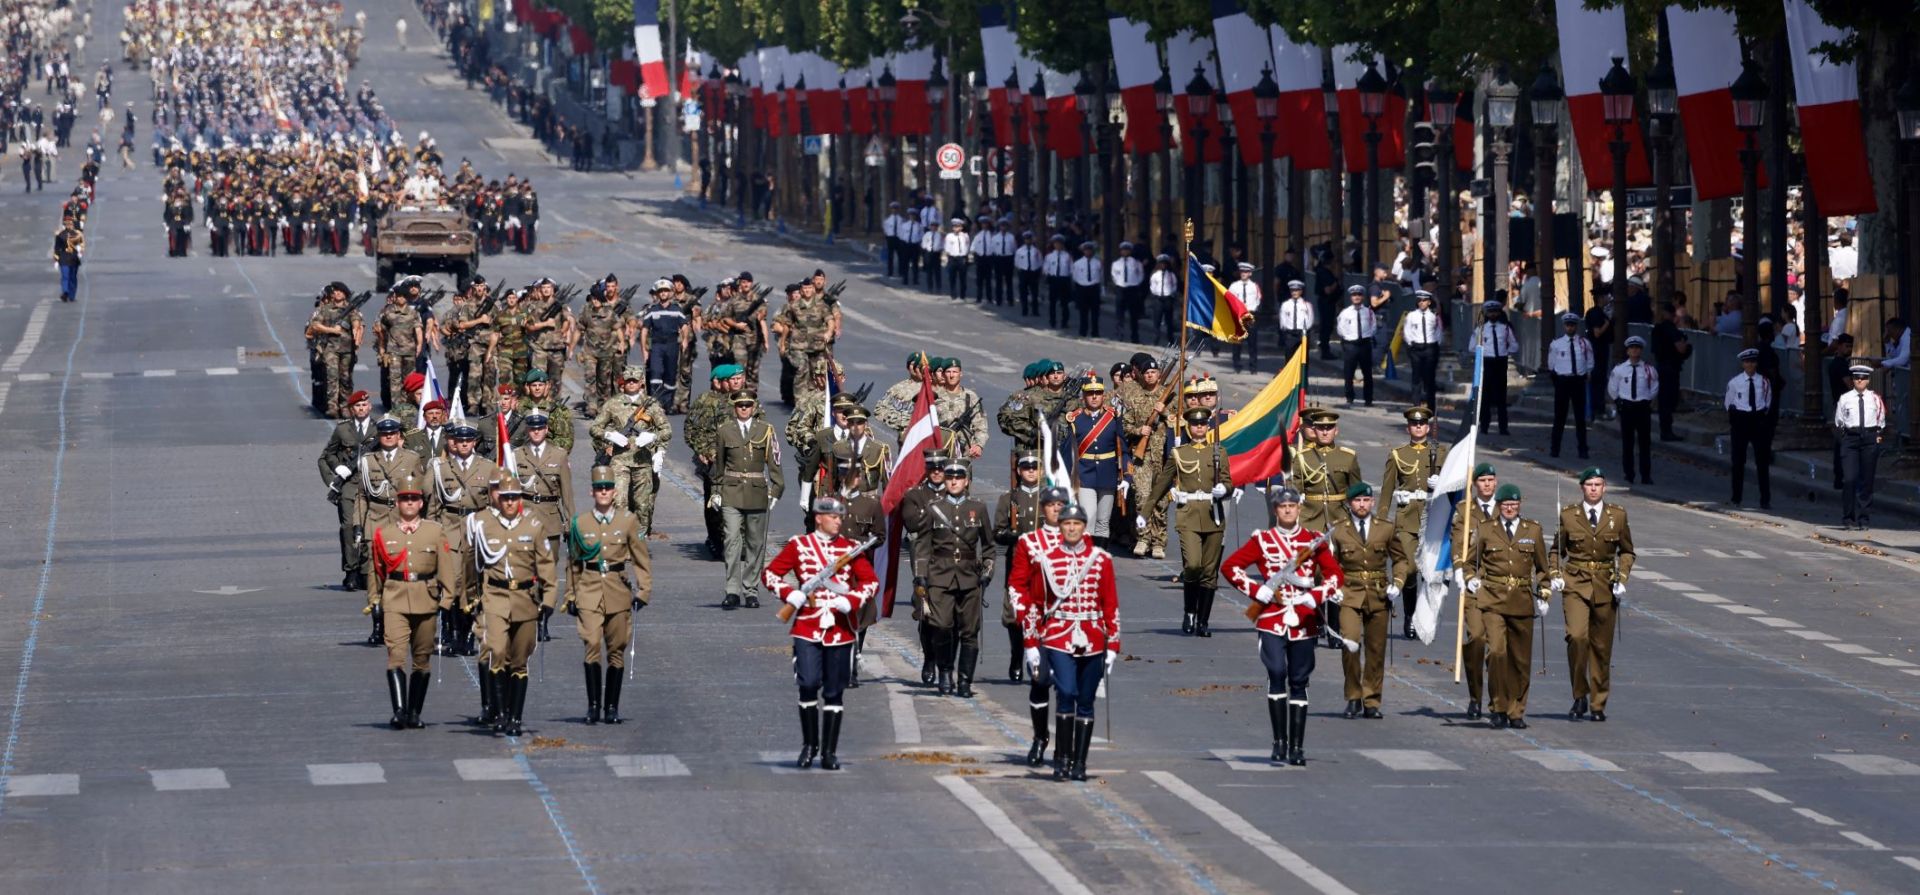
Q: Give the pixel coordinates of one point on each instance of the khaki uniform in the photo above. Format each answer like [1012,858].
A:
[549,485]
[1511,569]
[1323,473]
[603,552]
[380,473]
[601,332]
[516,564]
[1408,467]
[634,482]
[559,420]
[413,579]
[1592,559]
[340,470]
[1189,478]
[460,490]
[862,520]
[1364,607]
[747,478]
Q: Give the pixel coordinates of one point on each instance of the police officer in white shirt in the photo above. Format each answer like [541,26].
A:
[890,227]
[1570,358]
[981,250]
[932,248]
[1421,332]
[1000,247]
[1248,291]
[1355,326]
[1633,384]
[1087,276]
[1130,287]
[1026,268]
[1860,422]
[908,236]
[1057,266]
[956,248]
[1164,284]
[1296,318]
[1748,400]
[1497,335]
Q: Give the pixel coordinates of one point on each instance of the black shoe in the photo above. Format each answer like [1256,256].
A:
[731,601]
[963,687]
[809,736]
[1372,712]
[1517,722]
[1037,753]
[1353,709]
[610,705]
[416,697]
[397,695]
[1579,709]
[1473,710]
[753,601]
[1499,720]
[830,741]
[1186,623]
[1202,629]
[1296,733]
[594,676]
[963,679]
[944,681]
[1646,480]
[1598,716]
[927,672]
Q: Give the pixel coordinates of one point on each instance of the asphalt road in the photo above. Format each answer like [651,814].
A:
[192,709]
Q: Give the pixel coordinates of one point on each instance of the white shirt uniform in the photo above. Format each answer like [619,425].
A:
[930,217]
[1570,356]
[1629,381]
[957,245]
[1058,263]
[978,244]
[1248,292]
[1860,410]
[890,226]
[1418,327]
[1749,392]
[1356,322]
[909,231]
[1086,271]
[1026,258]
[1127,272]
[930,240]
[1164,284]
[1296,315]
[1001,244]
[1498,337]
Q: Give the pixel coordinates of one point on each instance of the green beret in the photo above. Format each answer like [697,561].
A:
[940,363]
[1592,472]
[727,371]
[1052,366]
[1359,489]
[1031,371]
[1506,492]
[1483,470]
[534,376]
[916,359]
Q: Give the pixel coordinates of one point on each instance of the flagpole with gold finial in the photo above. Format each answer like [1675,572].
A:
[1186,302]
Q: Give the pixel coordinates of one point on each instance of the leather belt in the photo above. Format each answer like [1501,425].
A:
[1106,456]
[383,501]
[1077,616]
[404,576]
[605,567]
[509,585]
[538,499]
[1588,564]
[1327,498]
[737,474]
[1509,582]
[1363,575]
[460,511]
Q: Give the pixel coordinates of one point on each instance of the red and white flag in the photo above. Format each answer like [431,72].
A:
[1303,104]
[1828,95]
[999,59]
[1185,52]
[1063,114]
[1706,60]
[1589,41]
[1353,126]
[823,96]
[857,81]
[1137,61]
[908,471]
[912,115]
[749,66]
[794,74]
[647,47]
[1244,53]
[772,114]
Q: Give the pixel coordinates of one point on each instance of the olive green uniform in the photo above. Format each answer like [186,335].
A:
[1592,559]
[1511,569]
[955,536]
[460,490]
[746,476]
[1322,473]
[1408,467]
[1365,564]
[559,420]
[548,484]
[547,344]
[1471,512]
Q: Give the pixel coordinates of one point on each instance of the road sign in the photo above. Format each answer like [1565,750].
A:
[810,145]
[875,153]
[1002,160]
[950,158]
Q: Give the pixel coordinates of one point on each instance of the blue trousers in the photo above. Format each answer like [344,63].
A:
[821,671]
[1075,680]
[1289,664]
[69,280]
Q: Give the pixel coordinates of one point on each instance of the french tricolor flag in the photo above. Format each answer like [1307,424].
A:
[862,109]
[647,48]
[1706,60]
[1138,63]
[1353,126]
[794,74]
[823,96]
[1063,114]
[1186,51]
[912,115]
[1589,41]
[749,66]
[999,59]
[1828,95]
[1303,105]
[1244,53]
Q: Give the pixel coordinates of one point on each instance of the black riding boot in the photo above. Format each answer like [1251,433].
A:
[518,684]
[969,657]
[1296,733]
[416,697]
[830,739]
[1082,744]
[1037,754]
[397,694]
[1277,716]
[379,635]
[593,674]
[809,735]
[1203,606]
[927,663]
[1062,745]
[1016,649]
[610,707]
[1189,608]
[489,707]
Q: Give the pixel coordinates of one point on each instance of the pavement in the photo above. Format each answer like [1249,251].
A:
[193,710]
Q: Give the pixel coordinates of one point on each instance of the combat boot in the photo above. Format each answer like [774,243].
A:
[830,738]
[1037,753]
[593,691]
[397,694]
[379,635]
[809,735]
[416,697]
[610,707]
[488,712]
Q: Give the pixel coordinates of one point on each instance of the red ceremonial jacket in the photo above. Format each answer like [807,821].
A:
[1266,553]
[803,557]
[1085,621]
[1020,592]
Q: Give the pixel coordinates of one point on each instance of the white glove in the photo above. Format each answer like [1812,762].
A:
[1125,486]
[1460,578]
[1110,656]
[1236,495]
[713,503]
[1473,585]
[1219,491]
[1031,655]
[841,605]
[1140,523]
[659,460]
[1433,481]
[771,504]
[1540,607]
[644,439]
[1619,589]
[796,599]
[1300,600]
[1557,584]
[1338,597]
[1264,594]
[617,438]
[342,471]
[1401,498]
[1393,591]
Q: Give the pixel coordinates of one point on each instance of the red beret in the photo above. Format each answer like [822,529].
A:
[357,397]
[413,381]
[508,390]
[435,404]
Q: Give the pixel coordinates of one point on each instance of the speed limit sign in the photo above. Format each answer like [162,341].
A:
[950,158]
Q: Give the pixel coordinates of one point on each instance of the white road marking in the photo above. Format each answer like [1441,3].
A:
[222,371]
[1816,636]
[29,338]
[647,766]
[1286,858]
[488,769]
[1889,661]
[1769,796]
[157,374]
[349,774]
[906,720]
[1656,551]
[782,763]
[1056,874]
[1409,759]
[1649,574]
[1744,610]
[1913,671]
[1246,759]
[1676,585]
[1862,839]
[189,778]
[96,374]
[5,387]
[1566,760]
[1719,762]
[1735,554]
[1851,649]
[34,377]
[1910,862]
[43,785]
[1707,598]
[1874,765]
[1816,817]
[1772,622]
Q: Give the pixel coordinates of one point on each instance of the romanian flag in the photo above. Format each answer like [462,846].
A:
[1211,309]
[1258,435]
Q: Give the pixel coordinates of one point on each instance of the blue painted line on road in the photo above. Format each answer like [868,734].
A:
[293,377]
[1773,661]
[1728,833]
[32,643]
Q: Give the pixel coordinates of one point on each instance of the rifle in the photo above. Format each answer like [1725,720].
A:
[760,294]
[1137,444]
[699,292]
[823,579]
[1291,618]
[560,300]
[359,301]
[425,304]
[834,290]
[860,394]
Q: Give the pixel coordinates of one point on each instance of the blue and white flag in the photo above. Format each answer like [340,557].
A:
[1449,486]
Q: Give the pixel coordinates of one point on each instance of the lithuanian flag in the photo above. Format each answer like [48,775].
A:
[1258,436]
[1211,309]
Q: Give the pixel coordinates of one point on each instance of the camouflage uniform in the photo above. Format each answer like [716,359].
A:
[683,386]
[808,322]
[336,358]
[601,332]
[559,420]
[895,409]
[457,345]
[704,418]
[511,356]
[549,346]
[743,348]
[480,379]
[397,325]
[963,420]
[633,464]
[1138,409]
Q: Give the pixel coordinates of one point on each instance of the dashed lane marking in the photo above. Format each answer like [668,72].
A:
[1772,622]
[1409,759]
[1676,585]
[350,774]
[480,770]
[1862,839]
[29,337]
[1286,858]
[1815,636]
[1816,817]
[1910,862]
[181,779]
[1710,599]
[1743,610]
[1769,795]
[1719,762]
[1043,862]
[43,785]
[647,766]
[1851,649]
[1889,661]
[1874,765]
[1566,760]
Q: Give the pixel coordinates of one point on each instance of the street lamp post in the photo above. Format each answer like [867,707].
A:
[889,91]
[1373,103]
[1266,104]
[1227,236]
[1163,104]
[1749,113]
[1017,99]
[1663,105]
[937,98]
[1199,101]
[873,185]
[743,117]
[1336,181]
[1503,100]
[733,91]
[1441,113]
[1906,104]
[1616,98]
[983,128]
[1043,162]
[1544,97]
[1082,170]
